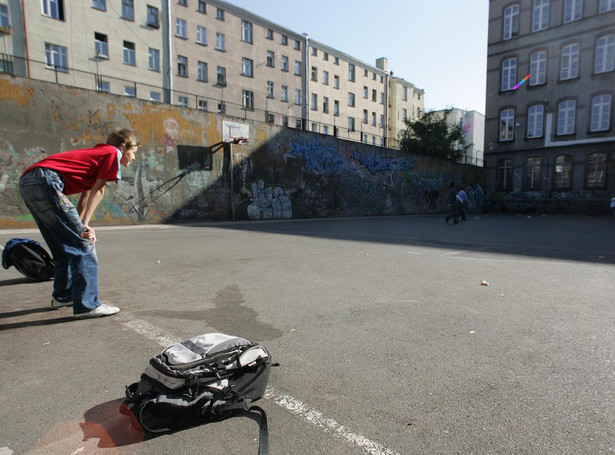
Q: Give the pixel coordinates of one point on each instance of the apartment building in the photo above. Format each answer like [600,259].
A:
[208,55]
[550,89]
[473,125]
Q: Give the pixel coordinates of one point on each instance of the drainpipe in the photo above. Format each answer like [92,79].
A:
[25,34]
[170,52]
[306,55]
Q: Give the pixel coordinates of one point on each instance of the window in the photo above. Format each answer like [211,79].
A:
[540,15]
[404,114]
[130,90]
[246,31]
[351,72]
[298,45]
[314,102]
[532,174]
[183,101]
[373,119]
[314,52]
[221,76]
[152,17]
[203,105]
[298,123]
[314,77]
[182,66]
[507,125]
[201,35]
[562,173]
[4,16]
[102,85]
[535,119]
[365,92]
[504,175]
[128,10]
[270,89]
[247,67]
[565,117]
[285,121]
[284,63]
[221,107]
[202,72]
[270,59]
[99,4]
[202,8]
[511,22]
[180,28]
[297,96]
[569,66]
[538,68]
[381,124]
[336,108]
[351,127]
[509,74]
[220,14]
[595,176]
[365,116]
[573,10]
[182,2]
[220,42]
[129,53]
[269,33]
[325,56]
[605,54]
[365,72]
[601,113]
[404,94]
[285,93]
[297,68]
[284,40]
[101,48]
[53,9]
[336,81]
[154,59]
[374,95]
[336,60]
[382,98]
[269,117]
[351,101]
[606,5]
[325,77]
[325,104]
[247,100]
[325,129]
[155,96]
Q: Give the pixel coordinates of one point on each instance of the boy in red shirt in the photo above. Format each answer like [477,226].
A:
[66,228]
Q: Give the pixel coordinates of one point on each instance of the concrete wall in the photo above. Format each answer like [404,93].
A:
[281,173]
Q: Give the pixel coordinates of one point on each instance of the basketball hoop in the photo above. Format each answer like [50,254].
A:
[240,140]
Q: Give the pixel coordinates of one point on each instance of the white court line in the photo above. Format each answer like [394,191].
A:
[286,402]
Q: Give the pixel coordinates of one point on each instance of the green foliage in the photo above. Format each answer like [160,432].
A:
[433,135]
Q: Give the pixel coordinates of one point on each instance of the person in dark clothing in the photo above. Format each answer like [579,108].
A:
[452,203]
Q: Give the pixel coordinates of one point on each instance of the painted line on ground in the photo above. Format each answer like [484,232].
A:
[286,402]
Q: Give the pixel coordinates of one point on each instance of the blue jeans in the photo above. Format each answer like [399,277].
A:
[75,260]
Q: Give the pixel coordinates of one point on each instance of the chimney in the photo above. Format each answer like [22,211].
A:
[382,63]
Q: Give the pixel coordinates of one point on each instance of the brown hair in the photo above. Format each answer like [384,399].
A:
[123,137]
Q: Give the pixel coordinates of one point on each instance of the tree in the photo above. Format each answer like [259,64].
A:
[432,135]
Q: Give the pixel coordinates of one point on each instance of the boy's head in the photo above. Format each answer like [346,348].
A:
[124,140]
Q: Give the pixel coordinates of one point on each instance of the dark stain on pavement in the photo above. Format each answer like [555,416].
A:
[228,316]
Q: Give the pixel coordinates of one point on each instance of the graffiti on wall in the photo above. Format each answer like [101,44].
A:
[319,157]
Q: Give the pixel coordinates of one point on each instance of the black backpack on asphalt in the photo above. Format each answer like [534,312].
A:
[28,257]
[198,380]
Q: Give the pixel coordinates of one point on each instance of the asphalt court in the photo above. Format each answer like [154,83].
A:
[395,335]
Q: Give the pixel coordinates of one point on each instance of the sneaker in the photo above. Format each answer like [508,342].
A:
[446,219]
[102,310]
[56,304]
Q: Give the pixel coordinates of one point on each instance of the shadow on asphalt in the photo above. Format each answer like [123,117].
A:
[14,281]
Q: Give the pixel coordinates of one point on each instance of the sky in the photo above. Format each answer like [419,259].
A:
[439,46]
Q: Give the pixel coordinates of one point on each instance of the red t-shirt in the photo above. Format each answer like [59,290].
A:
[80,168]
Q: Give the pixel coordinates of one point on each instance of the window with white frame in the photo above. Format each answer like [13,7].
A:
[325,104]
[182,2]
[183,101]
[102,85]
[247,67]
[404,94]
[538,68]
[220,42]
[336,81]
[336,108]
[130,90]
[285,121]
[595,175]
[535,120]
[246,31]
[284,40]
[566,116]
[351,125]
[270,59]
[180,28]
[128,10]
[365,92]
[298,45]
[297,68]
[351,99]
[365,116]
[351,72]
[562,172]
[220,14]
[284,63]
[511,22]
[504,175]
[203,105]
[129,54]
[404,114]
[221,76]
[298,99]
[99,4]
[202,7]
[540,15]
[373,119]
[532,174]
[182,66]
[314,74]
[605,54]
[152,17]
[154,59]
[325,129]
[573,10]
[601,113]
[507,125]
[606,5]
[155,96]
[247,99]
[101,47]
[53,9]
[269,33]
[284,96]
[325,78]
[509,74]
[314,102]
[569,66]
[270,89]
[4,16]
[201,35]
[202,72]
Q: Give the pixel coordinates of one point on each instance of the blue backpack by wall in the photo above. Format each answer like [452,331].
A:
[28,257]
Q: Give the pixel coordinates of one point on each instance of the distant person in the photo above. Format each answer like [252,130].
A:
[452,204]
[462,204]
[66,229]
